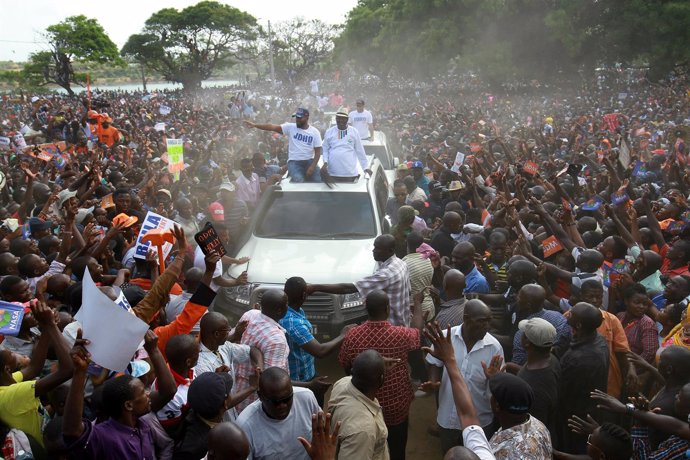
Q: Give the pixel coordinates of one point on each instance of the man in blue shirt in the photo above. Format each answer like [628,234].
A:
[419,177]
[298,330]
[530,304]
[463,259]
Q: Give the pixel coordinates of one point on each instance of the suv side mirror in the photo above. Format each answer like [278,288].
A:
[396,161]
[386,225]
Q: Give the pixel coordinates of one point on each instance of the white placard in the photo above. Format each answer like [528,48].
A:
[152,221]
[459,160]
[114,333]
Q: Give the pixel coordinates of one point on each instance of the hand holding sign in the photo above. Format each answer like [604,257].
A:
[159,238]
[182,245]
[209,241]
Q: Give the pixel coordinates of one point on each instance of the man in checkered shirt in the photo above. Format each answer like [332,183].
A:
[392,277]
[264,333]
[394,342]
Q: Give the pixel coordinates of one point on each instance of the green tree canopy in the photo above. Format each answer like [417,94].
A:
[186,46]
[77,38]
[527,39]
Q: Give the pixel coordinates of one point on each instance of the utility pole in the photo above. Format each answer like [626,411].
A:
[270,55]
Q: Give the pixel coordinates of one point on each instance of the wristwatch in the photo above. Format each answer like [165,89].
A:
[630,408]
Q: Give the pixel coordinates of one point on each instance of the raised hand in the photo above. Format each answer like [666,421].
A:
[150,341]
[583,427]
[80,356]
[211,260]
[494,367]
[323,441]
[443,347]
[44,315]
[182,244]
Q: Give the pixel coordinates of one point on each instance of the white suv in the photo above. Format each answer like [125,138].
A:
[325,235]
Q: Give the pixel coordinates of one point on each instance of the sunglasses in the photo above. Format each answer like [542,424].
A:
[280,402]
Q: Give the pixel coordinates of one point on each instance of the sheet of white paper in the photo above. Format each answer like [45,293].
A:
[624,154]
[114,333]
[459,160]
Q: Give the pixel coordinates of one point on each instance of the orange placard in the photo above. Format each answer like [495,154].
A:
[107,202]
[551,246]
[475,147]
[44,156]
[531,168]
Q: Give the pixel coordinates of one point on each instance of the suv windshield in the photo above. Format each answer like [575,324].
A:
[379,151]
[337,215]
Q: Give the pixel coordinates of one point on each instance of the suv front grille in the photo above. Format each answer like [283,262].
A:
[317,303]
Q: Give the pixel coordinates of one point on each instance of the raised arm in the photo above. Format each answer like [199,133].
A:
[166,387]
[48,324]
[72,424]
[443,351]
[264,126]
[653,222]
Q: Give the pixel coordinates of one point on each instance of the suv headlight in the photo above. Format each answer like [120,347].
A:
[352,300]
[241,294]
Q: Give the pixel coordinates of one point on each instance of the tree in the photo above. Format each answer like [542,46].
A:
[187,46]
[139,49]
[77,38]
[301,45]
[517,39]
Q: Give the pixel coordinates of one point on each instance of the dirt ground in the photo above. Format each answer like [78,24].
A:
[420,444]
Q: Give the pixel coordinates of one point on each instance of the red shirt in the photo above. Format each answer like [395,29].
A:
[396,394]
[666,265]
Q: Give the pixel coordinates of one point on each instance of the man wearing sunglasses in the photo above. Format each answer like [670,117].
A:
[280,416]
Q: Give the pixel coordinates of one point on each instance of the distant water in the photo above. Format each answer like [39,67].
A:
[149,86]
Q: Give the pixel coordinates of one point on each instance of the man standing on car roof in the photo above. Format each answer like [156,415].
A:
[342,148]
[304,146]
[362,120]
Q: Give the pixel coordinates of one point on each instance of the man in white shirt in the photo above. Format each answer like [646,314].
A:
[247,185]
[362,120]
[304,146]
[474,347]
[218,353]
[282,415]
[342,149]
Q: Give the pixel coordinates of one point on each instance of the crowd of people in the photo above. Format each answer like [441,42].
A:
[534,278]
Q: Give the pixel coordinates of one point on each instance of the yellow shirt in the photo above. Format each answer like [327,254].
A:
[21,409]
[363,432]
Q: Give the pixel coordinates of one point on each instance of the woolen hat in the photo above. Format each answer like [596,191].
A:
[208,391]
[512,394]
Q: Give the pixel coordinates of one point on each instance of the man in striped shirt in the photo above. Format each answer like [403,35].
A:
[264,333]
[392,277]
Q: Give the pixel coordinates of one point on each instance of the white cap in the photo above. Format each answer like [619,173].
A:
[538,331]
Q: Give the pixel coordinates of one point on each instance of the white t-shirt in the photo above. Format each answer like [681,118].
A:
[361,121]
[301,142]
[314,84]
[271,439]
[199,262]
[342,150]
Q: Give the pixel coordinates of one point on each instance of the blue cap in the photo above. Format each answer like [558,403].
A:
[417,164]
[301,112]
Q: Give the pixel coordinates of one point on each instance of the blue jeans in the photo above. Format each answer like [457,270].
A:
[297,170]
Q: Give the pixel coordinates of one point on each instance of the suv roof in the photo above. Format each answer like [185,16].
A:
[360,185]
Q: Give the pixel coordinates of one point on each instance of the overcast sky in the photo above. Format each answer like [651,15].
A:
[24,20]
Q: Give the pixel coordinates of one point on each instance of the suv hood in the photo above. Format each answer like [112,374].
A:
[273,261]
